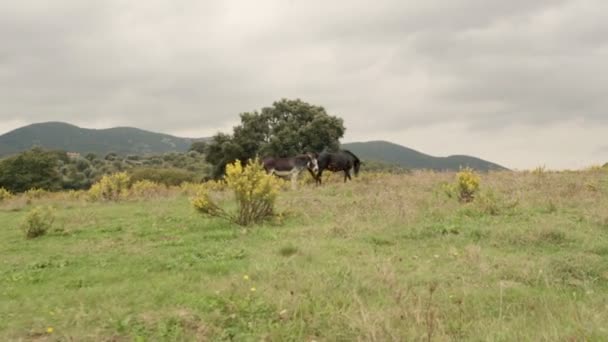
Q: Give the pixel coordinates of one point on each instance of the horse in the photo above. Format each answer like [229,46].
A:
[342,160]
[291,167]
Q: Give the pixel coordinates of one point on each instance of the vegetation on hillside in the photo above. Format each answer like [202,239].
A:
[123,141]
[55,170]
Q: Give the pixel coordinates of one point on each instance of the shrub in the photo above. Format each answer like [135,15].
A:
[145,189]
[215,185]
[37,222]
[5,194]
[254,190]
[32,194]
[190,188]
[110,187]
[75,195]
[467,184]
[36,168]
[205,205]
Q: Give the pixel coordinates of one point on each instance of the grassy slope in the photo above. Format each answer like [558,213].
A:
[382,258]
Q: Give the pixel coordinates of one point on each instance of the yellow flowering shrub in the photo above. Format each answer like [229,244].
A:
[205,205]
[215,185]
[35,193]
[467,184]
[190,188]
[75,195]
[37,222]
[5,194]
[145,189]
[110,187]
[255,192]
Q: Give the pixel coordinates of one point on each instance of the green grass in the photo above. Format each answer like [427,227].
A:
[382,258]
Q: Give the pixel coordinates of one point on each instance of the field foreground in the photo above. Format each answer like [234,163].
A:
[386,257]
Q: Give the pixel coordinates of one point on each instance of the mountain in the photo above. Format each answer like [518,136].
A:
[128,140]
[387,152]
[121,140]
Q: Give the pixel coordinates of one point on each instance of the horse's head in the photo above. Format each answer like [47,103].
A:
[357,166]
[312,163]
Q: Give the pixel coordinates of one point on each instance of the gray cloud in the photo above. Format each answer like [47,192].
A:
[386,67]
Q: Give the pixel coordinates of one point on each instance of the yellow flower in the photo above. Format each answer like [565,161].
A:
[49,330]
[253,289]
[246,277]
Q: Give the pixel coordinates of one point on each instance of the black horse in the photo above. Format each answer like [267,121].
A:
[291,167]
[342,160]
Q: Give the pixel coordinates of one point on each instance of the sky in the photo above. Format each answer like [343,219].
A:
[521,83]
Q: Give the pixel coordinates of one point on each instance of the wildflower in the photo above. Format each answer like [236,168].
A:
[253,289]
[246,277]
[49,330]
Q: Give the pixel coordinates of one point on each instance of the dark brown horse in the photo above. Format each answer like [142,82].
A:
[342,160]
[291,167]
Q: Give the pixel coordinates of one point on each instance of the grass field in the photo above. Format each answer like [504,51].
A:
[383,258]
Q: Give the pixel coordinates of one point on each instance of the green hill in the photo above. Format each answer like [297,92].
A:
[127,140]
[121,140]
[388,152]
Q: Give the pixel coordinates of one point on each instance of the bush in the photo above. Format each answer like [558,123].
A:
[254,190]
[205,205]
[190,188]
[146,189]
[37,222]
[467,184]
[75,195]
[32,194]
[5,194]
[110,187]
[36,168]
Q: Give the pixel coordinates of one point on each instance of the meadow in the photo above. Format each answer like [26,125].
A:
[383,258]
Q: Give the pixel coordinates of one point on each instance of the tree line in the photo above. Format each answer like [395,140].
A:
[286,128]
[55,170]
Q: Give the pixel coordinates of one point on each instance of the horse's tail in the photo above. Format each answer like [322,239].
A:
[356,161]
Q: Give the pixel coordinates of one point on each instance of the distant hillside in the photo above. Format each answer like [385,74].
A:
[122,140]
[387,152]
[127,140]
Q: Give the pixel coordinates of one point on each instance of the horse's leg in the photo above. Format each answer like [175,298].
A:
[347,175]
[313,175]
[319,175]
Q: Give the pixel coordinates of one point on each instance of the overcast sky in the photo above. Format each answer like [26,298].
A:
[522,83]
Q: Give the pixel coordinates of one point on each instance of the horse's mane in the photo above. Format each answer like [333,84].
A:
[352,154]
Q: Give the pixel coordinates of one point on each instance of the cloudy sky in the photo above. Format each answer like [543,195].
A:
[522,83]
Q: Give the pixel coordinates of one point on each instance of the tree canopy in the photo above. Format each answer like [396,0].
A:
[286,128]
[35,168]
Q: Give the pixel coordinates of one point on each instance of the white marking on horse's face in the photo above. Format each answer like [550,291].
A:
[314,165]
